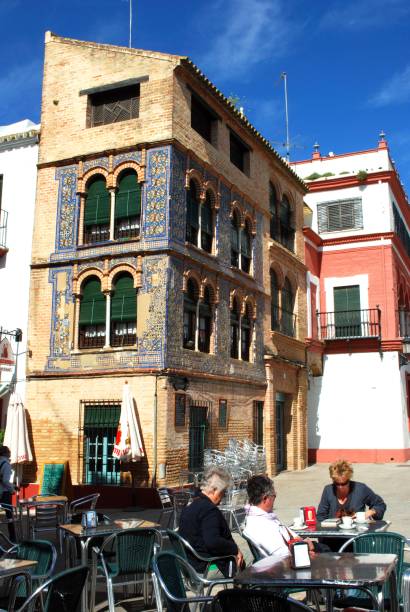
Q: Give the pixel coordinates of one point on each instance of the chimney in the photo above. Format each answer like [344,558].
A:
[316,151]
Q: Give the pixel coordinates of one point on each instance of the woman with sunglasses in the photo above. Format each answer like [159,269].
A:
[345,497]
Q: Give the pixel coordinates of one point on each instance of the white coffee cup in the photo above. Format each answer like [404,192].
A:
[347,521]
[360,517]
[297,522]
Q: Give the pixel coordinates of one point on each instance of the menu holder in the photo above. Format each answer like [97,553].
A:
[300,555]
[89,520]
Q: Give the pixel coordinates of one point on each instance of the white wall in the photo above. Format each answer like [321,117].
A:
[358,403]
[18,167]
[344,165]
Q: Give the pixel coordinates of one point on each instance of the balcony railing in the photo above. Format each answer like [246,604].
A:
[404,324]
[349,324]
[283,321]
[3,230]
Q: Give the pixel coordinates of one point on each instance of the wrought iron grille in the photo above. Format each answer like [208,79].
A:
[98,423]
[348,324]
[258,422]
[115,105]
[91,336]
[128,227]
[283,321]
[404,324]
[123,333]
[96,233]
[3,228]
[199,432]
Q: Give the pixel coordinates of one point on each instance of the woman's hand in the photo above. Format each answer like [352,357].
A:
[239,560]
[370,514]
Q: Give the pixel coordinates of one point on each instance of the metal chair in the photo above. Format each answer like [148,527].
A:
[405,589]
[379,543]
[46,517]
[63,591]
[12,519]
[249,600]
[41,551]
[134,550]
[184,549]
[72,545]
[174,576]
[180,500]
[257,552]
[88,502]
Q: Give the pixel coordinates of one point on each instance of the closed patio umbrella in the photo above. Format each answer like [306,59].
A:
[128,443]
[16,434]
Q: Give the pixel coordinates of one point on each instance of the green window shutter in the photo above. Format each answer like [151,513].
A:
[92,307]
[124,300]
[128,197]
[97,204]
[346,298]
[347,317]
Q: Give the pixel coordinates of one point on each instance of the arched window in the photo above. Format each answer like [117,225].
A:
[192,214]
[235,329]
[235,234]
[246,248]
[206,224]
[205,323]
[287,233]
[246,334]
[127,206]
[190,313]
[123,311]
[274,296]
[97,211]
[273,209]
[92,315]
[288,318]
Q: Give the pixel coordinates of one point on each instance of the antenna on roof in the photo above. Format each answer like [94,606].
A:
[284,76]
[130,37]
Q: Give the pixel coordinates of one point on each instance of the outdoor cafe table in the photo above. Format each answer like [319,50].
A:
[11,567]
[328,571]
[85,535]
[317,531]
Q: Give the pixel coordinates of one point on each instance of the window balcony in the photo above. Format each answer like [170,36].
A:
[3,232]
[350,324]
[283,321]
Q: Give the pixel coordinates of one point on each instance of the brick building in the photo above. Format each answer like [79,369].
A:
[168,251]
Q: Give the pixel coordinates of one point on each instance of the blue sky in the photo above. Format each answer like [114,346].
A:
[348,62]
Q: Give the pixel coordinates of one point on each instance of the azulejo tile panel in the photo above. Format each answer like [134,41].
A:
[67,208]
[178,196]
[100,162]
[61,316]
[151,339]
[155,196]
[122,157]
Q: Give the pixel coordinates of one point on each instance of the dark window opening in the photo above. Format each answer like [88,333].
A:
[97,212]
[223,414]
[206,224]
[288,318]
[92,315]
[235,231]
[273,208]
[205,323]
[192,214]
[274,294]
[127,206]
[258,422]
[246,335]
[246,248]
[124,312]
[203,120]
[235,330]
[190,301]
[100,429]
[180,410]
[113,106]
[238,153]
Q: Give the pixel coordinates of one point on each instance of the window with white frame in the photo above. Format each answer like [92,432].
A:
[340,215]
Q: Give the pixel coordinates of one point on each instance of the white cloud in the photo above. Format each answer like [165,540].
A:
[365,14]
[395,91]
[248,32]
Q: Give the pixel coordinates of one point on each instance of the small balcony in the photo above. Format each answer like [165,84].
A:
[283,321]
[3,232]
[350,324]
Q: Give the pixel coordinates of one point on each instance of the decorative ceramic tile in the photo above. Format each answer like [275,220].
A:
[178,196]
[151,342]
[62,309]
[67,208]
[100,162]
[155,195]
[122,157]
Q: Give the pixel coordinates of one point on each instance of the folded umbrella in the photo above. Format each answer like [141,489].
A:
[128,443]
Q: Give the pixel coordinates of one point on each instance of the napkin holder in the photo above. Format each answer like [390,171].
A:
[89,519]
[299,551]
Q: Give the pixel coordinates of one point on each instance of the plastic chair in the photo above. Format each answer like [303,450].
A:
[134,550]
[379,543]
[63,591]
[249,600]
[173,576]
[41,551]
[184,549]
[88,502]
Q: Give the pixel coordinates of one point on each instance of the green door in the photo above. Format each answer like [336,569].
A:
[198,435]
[347,315]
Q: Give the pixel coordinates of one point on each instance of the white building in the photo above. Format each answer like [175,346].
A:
[357,250]
[18,170]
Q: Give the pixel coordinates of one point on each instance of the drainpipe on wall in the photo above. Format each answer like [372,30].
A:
[155,435]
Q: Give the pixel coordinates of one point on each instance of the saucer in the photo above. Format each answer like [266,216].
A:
[346,527]
[365,522]
[298,527]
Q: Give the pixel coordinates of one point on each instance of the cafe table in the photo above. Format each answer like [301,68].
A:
[12,567]
[85,536]
[317,531]
[328,571]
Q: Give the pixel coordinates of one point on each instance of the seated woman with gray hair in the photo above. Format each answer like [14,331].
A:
[203,525]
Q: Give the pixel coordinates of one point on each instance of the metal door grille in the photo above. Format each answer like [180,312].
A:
[98,423]
[199,432]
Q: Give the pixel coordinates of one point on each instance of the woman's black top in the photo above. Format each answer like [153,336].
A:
[203,525]
[359,496]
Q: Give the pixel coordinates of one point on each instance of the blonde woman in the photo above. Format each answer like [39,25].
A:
[346,496]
